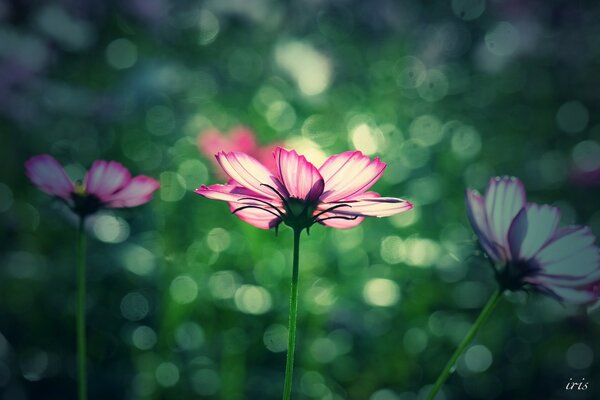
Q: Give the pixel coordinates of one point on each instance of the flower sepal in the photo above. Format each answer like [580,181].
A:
[85,204]
[511,276]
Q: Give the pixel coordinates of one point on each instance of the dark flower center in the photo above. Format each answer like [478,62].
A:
[297,213]
[85,204]
[512,276]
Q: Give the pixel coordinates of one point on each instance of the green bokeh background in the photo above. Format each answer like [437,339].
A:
[186,301]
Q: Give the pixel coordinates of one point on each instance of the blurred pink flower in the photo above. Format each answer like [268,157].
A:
[299,194]
[106,184]
[529,248]
[240,139]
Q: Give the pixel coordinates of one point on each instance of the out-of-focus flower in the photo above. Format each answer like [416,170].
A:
[528,247]
[585,178]
[299,195]
[240,139]
[106,184]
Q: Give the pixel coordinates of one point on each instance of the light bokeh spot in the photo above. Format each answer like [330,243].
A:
[167,374]
[121,53]
[109,228]
[251,299]
[478,358]
[183,289]
[308,67]
[381,292]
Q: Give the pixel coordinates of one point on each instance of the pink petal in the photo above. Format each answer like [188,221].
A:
[211,142]
[240,139]
[243,140]
[238,197]
[237,194]
[265,156]
[341,223]
[138,191]
[504,198]
[301,179]
[348,174]
[258,218]
[48,175]
[571,253]
[369,205]
[478,218]
[105,178]
[531,229]
[249,173]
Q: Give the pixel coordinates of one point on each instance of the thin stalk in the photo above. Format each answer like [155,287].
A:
[81,343]
[289,366]
[483,316]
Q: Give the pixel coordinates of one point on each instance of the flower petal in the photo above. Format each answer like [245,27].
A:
[251,174]
[369,205]
[259,218]
[261,212]
[571,253]
[138,191]
[243,140]
[348,174]
[240,195]
[339,223]
[478,218]
[572,295]
[533,226]
[300,178]
[265,156]
[48,175]
[504,199]
[105,178]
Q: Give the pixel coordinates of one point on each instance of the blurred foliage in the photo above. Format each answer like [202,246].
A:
[185,300]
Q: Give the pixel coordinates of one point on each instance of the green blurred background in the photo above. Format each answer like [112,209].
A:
[186,301]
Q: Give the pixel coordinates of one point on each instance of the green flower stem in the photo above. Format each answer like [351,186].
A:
[485,313]
[81,345]
[289,367]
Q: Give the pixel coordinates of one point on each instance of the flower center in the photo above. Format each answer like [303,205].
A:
[84,203]
[298,213]
[512,276]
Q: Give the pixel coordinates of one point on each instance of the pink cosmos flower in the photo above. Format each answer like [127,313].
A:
[529,248]
[299,194]
[240,139]
[106,184]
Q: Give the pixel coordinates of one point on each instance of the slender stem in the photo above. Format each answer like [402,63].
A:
[483,316]
[289,366]
[81,345]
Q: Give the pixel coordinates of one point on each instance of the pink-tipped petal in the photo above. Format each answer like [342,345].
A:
[349,174]
[338,223]
[248,172]
[260,213]
[105,178]
[301,179]
[504,198]
[570,253]
[48,175]
[531,229]
[259,218]
[138,191]
[241,196]
[369,205]
[478,218]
